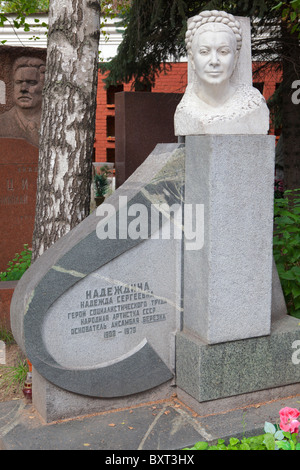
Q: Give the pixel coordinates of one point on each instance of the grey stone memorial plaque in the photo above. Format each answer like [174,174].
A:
[102,313]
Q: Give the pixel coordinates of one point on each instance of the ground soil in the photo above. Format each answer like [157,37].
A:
[13,355]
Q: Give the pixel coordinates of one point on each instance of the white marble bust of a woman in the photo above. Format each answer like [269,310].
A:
[213,103]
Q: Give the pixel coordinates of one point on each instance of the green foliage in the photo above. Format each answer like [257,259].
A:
[111,9]
[25,7]
[17,266]
[101,181]
[114,8]
[6,336]
[250,443]
[21,9]
[272,439]
[13,376]
[286,247]
[290,13]
[155,31]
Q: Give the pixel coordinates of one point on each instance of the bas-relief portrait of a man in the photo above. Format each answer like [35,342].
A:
[213,103]
[23,119]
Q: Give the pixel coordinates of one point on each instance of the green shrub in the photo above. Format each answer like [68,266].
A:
[101,181]
[6,335]
[13,377]
[286,247]
[17,266]
[272,439]
[250,443]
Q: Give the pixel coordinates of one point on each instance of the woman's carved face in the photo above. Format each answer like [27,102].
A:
[214,55]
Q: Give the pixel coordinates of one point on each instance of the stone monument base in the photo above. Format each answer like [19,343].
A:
[209,378]
[54,403]
[238,402]
[212,375]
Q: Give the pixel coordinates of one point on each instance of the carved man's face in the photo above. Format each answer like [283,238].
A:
[214,56]
[28,88]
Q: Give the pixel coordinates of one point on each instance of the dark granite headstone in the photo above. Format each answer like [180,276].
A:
[143,120]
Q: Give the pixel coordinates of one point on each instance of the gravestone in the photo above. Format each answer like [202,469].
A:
[168,287]
[223,118]
[231,339]
[102,319]
[101,312]
[18,176]
[21,81]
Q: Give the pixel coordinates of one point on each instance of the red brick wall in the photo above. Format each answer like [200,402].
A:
[102,142]
[173,81]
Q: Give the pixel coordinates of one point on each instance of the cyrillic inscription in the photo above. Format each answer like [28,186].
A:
[116,310]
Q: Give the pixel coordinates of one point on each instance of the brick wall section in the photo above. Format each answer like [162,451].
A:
[172,81]
[269,75]
[102,142]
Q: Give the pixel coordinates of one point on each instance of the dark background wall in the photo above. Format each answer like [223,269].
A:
[142,120]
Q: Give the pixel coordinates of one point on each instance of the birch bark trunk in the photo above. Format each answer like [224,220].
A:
[68,120]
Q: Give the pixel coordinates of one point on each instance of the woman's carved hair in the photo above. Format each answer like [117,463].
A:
[214,16]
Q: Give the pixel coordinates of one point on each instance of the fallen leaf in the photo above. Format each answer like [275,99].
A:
[86,444]
[111,425]
[167,412]
[130,427]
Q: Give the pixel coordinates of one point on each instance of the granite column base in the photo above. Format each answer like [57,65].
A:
[211,372]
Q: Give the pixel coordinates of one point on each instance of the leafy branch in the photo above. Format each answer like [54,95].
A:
[290,13]
[286,247]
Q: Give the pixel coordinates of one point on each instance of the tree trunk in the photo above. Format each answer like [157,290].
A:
[68,120]
[290,109]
